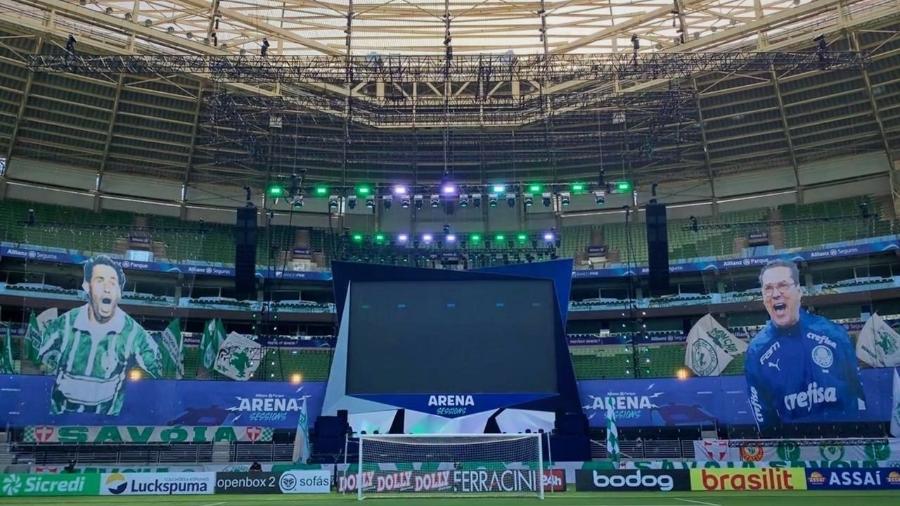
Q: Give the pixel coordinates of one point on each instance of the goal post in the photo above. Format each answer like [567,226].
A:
[450,464]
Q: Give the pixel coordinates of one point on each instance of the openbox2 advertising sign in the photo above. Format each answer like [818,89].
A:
[785,478]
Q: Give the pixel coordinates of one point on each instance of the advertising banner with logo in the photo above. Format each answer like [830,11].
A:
[305,482]
[247,483]
[80,434]
[705,400]
[829,450]
[785,478]
[637,480]
[554,480]
[853,479]
[444,478]
[186,403]
[25,485]
[157,483]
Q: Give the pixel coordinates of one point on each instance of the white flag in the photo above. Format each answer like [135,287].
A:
[612,436]
[878,344]
[238,357]
[895,407]
[710,347]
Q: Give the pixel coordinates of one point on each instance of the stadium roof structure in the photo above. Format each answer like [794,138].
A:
[717,87]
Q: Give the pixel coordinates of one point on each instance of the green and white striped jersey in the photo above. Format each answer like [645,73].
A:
[91,360]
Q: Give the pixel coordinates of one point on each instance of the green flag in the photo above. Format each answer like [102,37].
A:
[213,335]
[32,339]
[6,359]
[170,346]
[612,436]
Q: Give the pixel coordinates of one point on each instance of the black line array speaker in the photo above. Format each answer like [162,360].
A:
[657,247]
[245,253]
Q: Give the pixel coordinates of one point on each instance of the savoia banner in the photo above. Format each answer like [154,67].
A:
[828,450]
[79,434]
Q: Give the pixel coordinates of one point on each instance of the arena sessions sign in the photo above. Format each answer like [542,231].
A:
[42,434]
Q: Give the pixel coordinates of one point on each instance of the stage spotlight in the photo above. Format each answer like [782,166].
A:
[565,198]
[450,238]
[528,199]
[400,189]
[475,238]
[493,198]
[321,190]
[549,237]
[379,238]
[427,238]
[370,201]
[499,188]
[387,201]
[463,200]
[404,201]
[522,237]
[419,200]
[351,202]
[435,200]
[476,200]
[448,188]
[333,203]
[600,197]
[297,200]
[402,238]
[546,199]
[511,199]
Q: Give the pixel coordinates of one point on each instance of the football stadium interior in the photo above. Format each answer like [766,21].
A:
[470,247]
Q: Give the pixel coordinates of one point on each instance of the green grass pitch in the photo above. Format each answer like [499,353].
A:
[835,498]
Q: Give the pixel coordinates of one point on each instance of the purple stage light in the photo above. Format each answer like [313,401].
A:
[448,189]
[400,189]
[451,238]
[427,237]
[548,237]
[402,238]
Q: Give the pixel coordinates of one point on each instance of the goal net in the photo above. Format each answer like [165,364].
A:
[451,464]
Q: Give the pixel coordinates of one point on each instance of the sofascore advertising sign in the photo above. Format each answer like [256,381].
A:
[157,483]
[853,479]
[305,482]
[634,480]
[788,478]
[19,485]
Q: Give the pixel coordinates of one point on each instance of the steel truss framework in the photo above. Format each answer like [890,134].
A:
[547,69]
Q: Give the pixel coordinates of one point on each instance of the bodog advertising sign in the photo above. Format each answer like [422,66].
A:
[632,480]
[786,478]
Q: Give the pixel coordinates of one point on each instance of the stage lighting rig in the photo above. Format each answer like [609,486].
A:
[297,200]
[511,199]
[493,199]
[404,201]
[565,198]
[387,201]
[370,201]
[600,197]
[435,200]
[476,200]
[463,200]
[419,201]
[351,202]
[332,203]
[546,199]
[528,199]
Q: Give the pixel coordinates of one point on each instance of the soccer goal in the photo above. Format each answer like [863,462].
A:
[450,464]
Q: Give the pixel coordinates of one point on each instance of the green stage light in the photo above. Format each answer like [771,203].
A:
[275,191]
[321,190]
[623,186]
[579,187]
[475,237]
[363,190]
[499,188]
[357,237]
[379,237]
[499,237]
[534,188]
[522,237]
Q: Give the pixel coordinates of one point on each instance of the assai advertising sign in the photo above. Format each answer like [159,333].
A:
[853,478]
